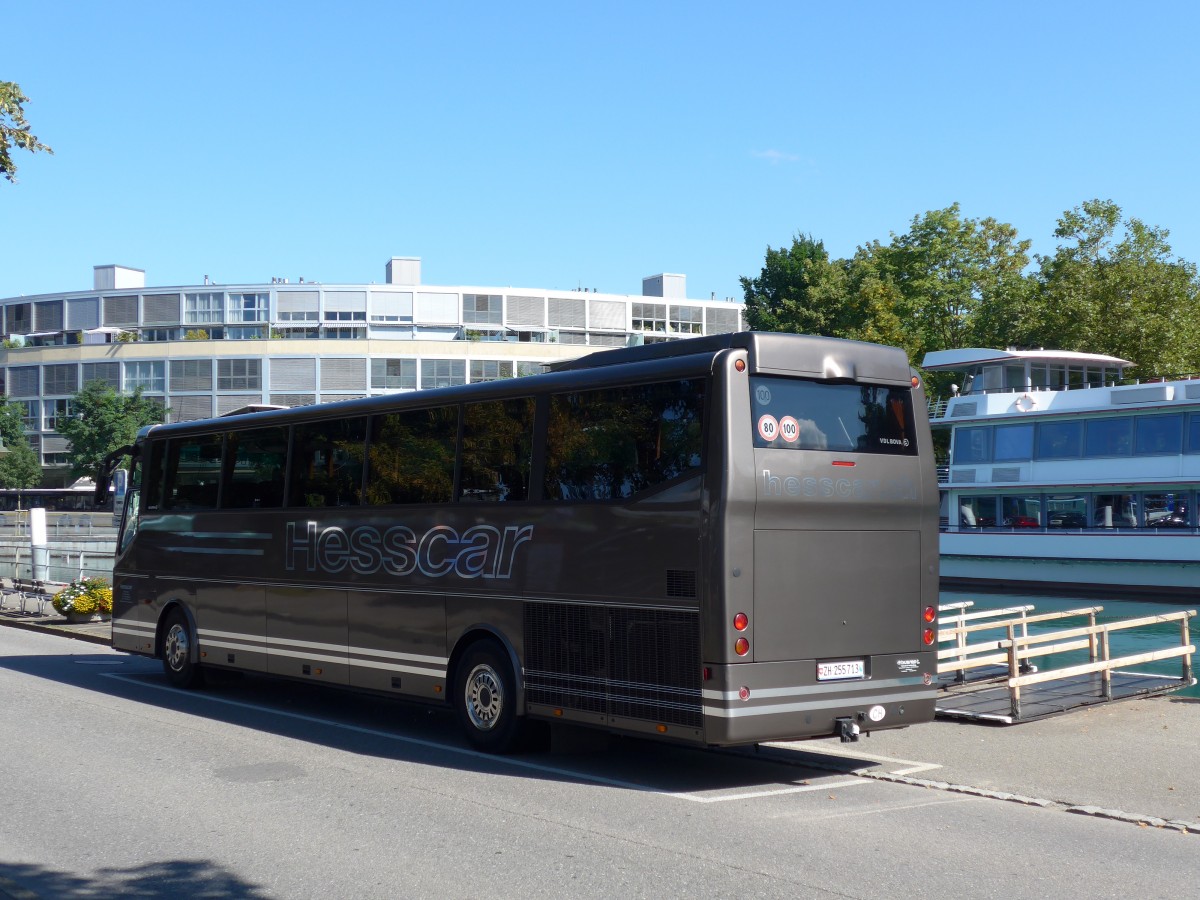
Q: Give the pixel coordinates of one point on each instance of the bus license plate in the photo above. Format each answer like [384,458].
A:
[835,671]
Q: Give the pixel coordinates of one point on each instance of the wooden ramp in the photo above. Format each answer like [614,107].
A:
[986,670]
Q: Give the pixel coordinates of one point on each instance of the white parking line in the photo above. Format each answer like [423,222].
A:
[911,766]
[475,754]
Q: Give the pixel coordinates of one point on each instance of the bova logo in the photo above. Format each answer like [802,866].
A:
[482,551]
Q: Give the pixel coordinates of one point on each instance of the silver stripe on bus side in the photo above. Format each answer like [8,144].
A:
[216,551]
[829,688]
[138,629]
[354,655]
[781,708]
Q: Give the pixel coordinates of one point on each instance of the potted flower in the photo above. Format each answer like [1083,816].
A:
[85,600]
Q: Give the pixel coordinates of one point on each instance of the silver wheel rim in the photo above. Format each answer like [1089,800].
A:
[485,697]
[175,649]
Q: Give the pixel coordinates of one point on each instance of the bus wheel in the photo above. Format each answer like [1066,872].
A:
[177,653]
[485,698]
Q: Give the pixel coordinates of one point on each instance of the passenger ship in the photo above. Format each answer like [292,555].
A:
[1066,476]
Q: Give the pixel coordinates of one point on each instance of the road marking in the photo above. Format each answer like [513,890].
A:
[476,754]
[911,766]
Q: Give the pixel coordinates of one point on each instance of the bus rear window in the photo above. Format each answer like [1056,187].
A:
[794,414]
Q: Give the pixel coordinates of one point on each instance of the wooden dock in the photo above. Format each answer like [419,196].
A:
[986,668]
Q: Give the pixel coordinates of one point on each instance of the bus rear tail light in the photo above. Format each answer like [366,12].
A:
[741,621]
[743,693]
[928,636]
[930,614]
[741,646]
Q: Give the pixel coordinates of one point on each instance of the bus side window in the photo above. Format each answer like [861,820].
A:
[612,443]
[327,463]
[497,447]
[412,456]
[193,472]
[152,474]
[254,464]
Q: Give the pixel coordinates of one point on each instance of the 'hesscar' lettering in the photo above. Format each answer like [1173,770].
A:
[481,551]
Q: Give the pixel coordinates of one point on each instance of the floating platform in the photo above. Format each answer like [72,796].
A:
[992,702]
[986,671]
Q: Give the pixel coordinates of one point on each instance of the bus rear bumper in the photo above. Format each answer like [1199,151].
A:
[746,704]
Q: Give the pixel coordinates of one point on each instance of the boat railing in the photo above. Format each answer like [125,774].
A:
[1176,531]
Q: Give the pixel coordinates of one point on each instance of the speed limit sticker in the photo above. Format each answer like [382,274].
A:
[789,429]
[768,428]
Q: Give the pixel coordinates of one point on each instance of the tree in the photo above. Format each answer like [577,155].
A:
[102,421]
[14,129]
[1113,287]
[799,290]
[19,466]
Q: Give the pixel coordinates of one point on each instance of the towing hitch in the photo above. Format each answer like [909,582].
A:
[848,731]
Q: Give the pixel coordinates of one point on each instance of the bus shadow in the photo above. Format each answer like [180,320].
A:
[393,729]
[164,880]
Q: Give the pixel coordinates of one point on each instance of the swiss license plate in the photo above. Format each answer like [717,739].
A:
[835,671]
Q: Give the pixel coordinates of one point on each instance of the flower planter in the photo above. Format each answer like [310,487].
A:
[75,618]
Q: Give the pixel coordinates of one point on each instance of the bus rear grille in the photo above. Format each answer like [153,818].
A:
[681,583]
[631,663]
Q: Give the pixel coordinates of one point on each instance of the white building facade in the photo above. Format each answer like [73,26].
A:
[206,350]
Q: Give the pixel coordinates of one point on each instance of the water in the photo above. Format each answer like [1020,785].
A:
[1122,643]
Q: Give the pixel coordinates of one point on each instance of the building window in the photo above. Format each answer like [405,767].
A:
[437,373]
[394,374]
[54,411]
[482,309]
[30,414]
[344,334]
[247,308]
[159,334]
[148,375]
[239,374]
[60,379]
[303,315]
[199,309]
[55,459]
[245,332]
[293,333]
[345,315]
[649,317]
[490,370]
[687,319]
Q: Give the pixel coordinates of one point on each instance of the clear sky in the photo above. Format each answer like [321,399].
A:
[565,144]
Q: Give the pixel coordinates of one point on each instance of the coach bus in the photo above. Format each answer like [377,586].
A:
[721,540]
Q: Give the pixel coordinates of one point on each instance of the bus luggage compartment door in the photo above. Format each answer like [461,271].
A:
[824,594]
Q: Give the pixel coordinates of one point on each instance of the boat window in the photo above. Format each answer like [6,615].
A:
[1114,511]
[977,512]
[1021,512]
[1014,378]
[1059,440]
[1158,434]
[1193,433]
[971,445]
[1167,510]
[1013,442]
[1109,437]
[1066,511]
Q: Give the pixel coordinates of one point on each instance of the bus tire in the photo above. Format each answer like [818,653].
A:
[485,698]
[178,641]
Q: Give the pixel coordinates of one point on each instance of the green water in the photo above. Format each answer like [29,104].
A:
[1122,643]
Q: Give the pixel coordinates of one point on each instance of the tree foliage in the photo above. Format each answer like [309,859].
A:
[19,465]
[1112,286]
[104,420]
[14,129]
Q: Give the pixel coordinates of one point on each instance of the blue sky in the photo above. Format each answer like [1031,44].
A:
[560,145]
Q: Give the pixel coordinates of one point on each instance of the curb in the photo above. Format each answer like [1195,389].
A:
[61,631]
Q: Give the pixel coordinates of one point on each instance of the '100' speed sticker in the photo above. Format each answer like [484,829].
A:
[789,428]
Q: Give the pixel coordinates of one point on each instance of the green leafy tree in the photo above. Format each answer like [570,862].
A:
[799,290]
[19,466]
[14,129]
[104,420]
[1113,286]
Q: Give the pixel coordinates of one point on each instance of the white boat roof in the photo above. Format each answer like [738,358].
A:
[972,356]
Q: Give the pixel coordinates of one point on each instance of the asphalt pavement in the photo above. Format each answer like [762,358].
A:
[1133,760]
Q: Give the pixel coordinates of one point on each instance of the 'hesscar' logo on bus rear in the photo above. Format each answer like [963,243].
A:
[481,551]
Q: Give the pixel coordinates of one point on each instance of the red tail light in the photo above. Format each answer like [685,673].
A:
[741,646]
[930,614]
[928,636]
[740,621]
